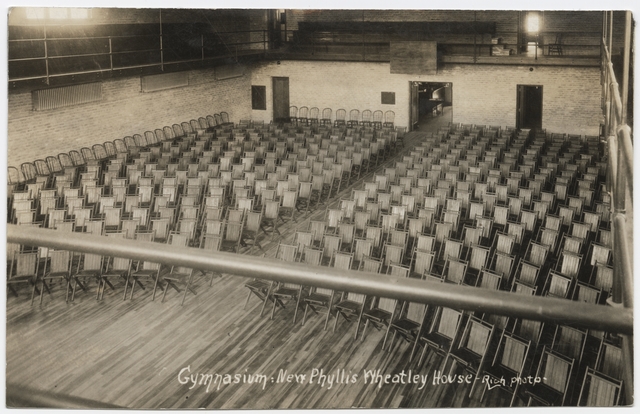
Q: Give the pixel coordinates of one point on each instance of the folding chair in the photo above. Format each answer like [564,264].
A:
[569,342]
[58,267]
[318,297]
[609,360]
[250,231]
[555,370]
[89,266]
[599,390]
[470,351]
[442,332]
[409,324]
[286,291]
[178,274]
[24,269]
[508,362]
[380,314]
[232,236]
[144,270]
[350,305]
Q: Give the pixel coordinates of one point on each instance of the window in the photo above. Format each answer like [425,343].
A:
[259,98]
[388,98]
[57,13]
[533,22]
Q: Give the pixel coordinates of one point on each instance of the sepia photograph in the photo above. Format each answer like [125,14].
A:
[336,207]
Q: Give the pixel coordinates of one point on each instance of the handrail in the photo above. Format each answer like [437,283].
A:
[19,396]
[552,310]
[619,182]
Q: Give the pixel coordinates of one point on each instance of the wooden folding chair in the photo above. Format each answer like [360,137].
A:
[470,351]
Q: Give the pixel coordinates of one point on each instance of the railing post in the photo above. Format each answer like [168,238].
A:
[625,67]
[46,55]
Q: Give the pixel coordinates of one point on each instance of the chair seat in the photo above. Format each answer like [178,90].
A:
[317,299]
[286,292]
[56,275]
[466,357]
[544,394]
[436,340]
[349,306]
[405,326]
[87,273]
[257,285]
[377,315]
[500,371]
[144,273]
[176,276]
[121,273]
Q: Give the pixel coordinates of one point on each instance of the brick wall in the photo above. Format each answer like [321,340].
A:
[123,111]
[482,94]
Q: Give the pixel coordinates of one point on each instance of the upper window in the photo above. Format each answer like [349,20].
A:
[57,13]
[533,22]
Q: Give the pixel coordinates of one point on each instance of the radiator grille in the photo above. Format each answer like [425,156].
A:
[63,96]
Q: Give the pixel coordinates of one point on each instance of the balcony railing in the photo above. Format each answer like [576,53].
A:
[552,310]
[619,179]
[36,54]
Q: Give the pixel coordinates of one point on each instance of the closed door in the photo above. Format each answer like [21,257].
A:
[529,106]
[280,99]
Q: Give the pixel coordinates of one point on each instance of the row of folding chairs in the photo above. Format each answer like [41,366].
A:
[376,119]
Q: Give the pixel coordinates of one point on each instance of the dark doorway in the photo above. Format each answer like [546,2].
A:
[280,99]
[430,100]
[529,107]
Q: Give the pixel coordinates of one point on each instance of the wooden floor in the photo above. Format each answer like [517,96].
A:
[141,353]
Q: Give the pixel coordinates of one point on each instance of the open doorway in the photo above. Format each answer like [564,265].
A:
[431,102]
[529,107]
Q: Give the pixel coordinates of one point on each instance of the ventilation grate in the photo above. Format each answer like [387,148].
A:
[64,96]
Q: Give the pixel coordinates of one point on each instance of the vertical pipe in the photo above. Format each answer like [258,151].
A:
[161,48]
[610,32]
[625,66]
[627,374]
[110,54]
[364,53]
[202,45]
[604,26]
[619,197]
[46,54]
[474,39]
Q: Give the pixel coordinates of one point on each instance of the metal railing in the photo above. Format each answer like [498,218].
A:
[19,396]
[211,46]
[619,181]
[552,310]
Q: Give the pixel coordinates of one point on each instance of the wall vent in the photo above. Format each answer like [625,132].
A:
[53,98]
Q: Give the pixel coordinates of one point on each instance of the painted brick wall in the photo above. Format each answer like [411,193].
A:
[482,94]
[123,111]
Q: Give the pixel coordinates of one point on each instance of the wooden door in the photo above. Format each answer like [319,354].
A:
[280,99]
[529,106]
